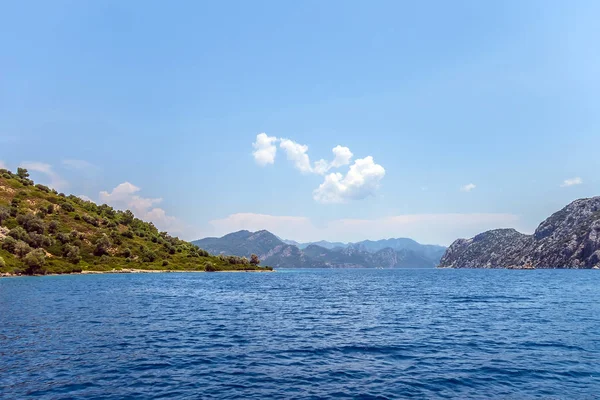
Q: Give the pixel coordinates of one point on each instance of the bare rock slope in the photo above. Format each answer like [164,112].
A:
[570,238]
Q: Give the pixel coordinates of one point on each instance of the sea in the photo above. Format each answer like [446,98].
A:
[303,334]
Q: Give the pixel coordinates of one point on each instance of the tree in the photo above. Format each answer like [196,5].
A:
[4,214]
[19,233]
[72,253]
[9,243]
[22,173]
[53,227]
[35,261]
[254,260]
[127,217]
[31,223]
[102,245]
[22,249]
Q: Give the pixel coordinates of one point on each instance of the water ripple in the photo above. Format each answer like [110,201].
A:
[303,334]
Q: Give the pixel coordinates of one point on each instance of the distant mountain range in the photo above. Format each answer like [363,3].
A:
[278,253]
[569,238]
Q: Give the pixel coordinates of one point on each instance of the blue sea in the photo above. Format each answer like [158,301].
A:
[303,334]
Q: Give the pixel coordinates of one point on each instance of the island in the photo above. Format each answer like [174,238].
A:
[46,232]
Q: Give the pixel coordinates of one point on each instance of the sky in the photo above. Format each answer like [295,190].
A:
[335,120]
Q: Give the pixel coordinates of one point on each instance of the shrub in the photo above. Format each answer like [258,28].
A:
[43,188]
[37,240]
[22,249]
[50,208]
[63,237]
[128,234]
[72,253]
[68,207]
[31,223]
[90,220]
[148,255]
[2,263]
[209,267]
[126,252]
[102,245]
[53,227]
[164,263]
[35,261]
[19,233]
[9,243]
[4,214]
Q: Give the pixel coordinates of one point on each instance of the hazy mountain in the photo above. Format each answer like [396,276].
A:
[570,238]
[279,253]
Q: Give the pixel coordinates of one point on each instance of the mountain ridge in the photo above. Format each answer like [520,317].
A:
[281,253]
[569,238]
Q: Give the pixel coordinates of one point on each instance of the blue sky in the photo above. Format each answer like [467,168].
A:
[156,107]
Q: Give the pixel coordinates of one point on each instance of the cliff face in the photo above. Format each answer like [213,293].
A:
[570,238]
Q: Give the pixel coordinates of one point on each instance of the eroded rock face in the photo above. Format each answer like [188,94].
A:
[569,238]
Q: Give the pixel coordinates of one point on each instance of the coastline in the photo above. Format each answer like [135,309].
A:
[131,271]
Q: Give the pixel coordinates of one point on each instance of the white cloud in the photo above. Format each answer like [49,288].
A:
[79,164]
[425,228]
[55,181]
[468,187]
[343,155]
[361,181]
[296,153]
[265,149]
[84,197]
[125,196]
[572,181]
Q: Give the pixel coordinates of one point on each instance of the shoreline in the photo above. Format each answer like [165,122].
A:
[130,271]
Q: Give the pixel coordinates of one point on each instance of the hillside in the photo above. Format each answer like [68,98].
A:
[570,238]
[289,254]
[42,231]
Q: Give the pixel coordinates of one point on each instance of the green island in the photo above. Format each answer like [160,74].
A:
[46,232]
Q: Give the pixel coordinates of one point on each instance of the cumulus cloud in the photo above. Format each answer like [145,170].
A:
[264,149]
[425,228]
[361,181]
[572,181]
[296,153]
[342,154]
[125,196]
[54,180]
[468,187]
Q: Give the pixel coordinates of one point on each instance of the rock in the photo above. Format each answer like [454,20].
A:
[569,238]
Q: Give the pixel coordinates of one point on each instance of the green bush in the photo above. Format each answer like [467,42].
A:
[9,244]
[35,261]
[67,207]
[22,249]
[72,253]
[102,245]
[2,263]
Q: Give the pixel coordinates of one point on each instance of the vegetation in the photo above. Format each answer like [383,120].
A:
[43,231]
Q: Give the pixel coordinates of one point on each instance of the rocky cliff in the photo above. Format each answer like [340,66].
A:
[570,238]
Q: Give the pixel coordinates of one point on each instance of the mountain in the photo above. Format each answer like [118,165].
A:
[43,231]
[290,254]
[570,238]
